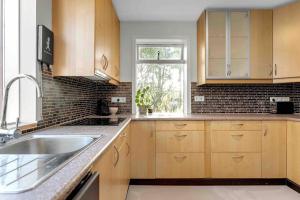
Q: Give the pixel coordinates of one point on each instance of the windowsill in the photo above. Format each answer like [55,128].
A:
[24,126]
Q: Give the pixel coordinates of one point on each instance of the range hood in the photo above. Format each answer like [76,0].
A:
[100,76]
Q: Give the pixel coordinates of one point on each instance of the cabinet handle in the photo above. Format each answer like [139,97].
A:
[271,72]
[180,136]
[152,134]
[265,132]
[180,158]
[237,135]
[118,156]
[275,73]
[180,124]
[106,65]
[128,147]
[239,124]
[103,59]
[237,157]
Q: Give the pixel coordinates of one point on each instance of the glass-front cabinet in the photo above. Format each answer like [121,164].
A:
[228,45]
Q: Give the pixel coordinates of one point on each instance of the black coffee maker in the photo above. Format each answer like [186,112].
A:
[102,108]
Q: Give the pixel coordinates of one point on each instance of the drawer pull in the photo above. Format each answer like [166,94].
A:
[239,124]
[180,158]
[180,124]
[237,157]
[180,136]
[237,135]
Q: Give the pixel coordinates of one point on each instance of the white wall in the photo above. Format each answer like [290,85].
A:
[130,31]
[156,30]
[32,13]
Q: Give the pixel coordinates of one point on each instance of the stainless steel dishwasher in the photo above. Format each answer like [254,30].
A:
[87,189]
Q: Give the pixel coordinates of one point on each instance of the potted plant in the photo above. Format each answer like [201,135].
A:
[143,100]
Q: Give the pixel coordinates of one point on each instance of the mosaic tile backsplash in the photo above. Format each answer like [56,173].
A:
[250,98]
[69,98]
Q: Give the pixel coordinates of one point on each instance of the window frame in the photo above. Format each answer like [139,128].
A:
[184,45]
[159,61]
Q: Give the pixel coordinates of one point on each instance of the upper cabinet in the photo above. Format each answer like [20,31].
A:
[286,43]
[87,39]
[235,47]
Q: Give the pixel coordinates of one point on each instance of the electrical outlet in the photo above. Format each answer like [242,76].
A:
[279,99]
[118,99]
[199,98]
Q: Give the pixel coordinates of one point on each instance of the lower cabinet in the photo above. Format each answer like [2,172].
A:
[248,149]
[180,165]
[113,167]
[274,148]
[142,150]
[293,151]
[236,165]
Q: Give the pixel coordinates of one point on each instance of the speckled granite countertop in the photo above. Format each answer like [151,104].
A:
[64,180]
[216,117]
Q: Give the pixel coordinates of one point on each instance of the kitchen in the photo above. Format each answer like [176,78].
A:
[137,100]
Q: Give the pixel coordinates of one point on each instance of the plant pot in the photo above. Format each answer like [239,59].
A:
[150,110]
[143,110]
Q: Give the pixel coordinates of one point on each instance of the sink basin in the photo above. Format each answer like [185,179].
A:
[26,162]
[47,145]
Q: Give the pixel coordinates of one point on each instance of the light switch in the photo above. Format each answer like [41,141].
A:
[199,99]
[118,99]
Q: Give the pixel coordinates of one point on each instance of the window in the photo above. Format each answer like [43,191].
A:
[18,56]
[162,67]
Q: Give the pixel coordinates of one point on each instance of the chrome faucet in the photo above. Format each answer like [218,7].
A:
[6,133]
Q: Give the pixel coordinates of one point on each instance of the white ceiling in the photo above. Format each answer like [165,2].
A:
[181,10]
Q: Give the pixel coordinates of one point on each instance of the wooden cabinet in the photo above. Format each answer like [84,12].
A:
[87,36]
[179,125]
[293,152]
[142,150]
[274,149]
[113,167]
[180,165]
[261,44]
[229,47]
[180,147]
[286,43]
[179,141]
[236,165]
[104,165]
[236,141]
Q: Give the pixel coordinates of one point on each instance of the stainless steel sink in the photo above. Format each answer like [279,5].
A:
[47,145]
[25,163]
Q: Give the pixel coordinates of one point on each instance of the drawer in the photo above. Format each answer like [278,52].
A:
[236,141]
[179,165]
[180,125]
[179,141]
[236,125]
[236,165]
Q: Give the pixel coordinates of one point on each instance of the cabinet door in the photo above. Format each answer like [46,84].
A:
[239,45]
[100,35]
[142,150]
[293,152]
[104,166]
[286,41]
[216,66]
[115,73]
[261,58]
[274,149]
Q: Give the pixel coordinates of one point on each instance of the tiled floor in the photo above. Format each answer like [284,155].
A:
[212,193]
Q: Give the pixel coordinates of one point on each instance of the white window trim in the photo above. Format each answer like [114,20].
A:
[187,72]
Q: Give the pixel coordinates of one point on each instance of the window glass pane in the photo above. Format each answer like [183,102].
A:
[166,83]
[149,52]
